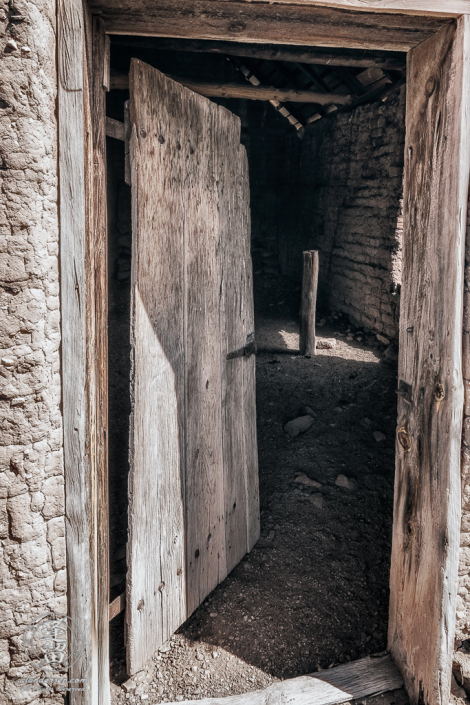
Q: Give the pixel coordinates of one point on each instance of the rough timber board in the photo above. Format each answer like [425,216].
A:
[443,8]
[426,522]
[358,679]
[189,455]
[279,23]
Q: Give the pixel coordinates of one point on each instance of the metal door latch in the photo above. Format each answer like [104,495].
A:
[404,391]
[247,350]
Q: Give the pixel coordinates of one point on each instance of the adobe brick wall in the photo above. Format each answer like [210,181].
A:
[350,194]
[32,563]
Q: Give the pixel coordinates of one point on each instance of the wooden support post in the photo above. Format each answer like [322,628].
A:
[309,303]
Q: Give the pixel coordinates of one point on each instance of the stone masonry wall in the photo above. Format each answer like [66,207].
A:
[351,177]
[32,562]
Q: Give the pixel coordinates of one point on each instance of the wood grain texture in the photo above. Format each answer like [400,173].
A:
[248,92]
[98,348]
[115,129]
[358,679]
[308,305]
[441,8]
[190,207]
[257,22]
[427,486]
[75,309]
[272,52]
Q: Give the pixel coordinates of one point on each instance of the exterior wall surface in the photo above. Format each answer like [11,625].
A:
[32,563]
[351,178]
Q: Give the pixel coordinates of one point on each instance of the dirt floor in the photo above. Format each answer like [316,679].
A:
[313,592]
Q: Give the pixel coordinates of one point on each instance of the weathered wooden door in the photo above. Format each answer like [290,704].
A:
[193,491]
[427,487]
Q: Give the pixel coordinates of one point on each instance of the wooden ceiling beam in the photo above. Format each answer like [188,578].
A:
[248,91]
[387,60]
[278,23]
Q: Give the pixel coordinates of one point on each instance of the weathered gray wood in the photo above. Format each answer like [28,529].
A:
[115,129]
[190,212]
[272,52]
[117,606]
[426,521]
[248,92]
[156,576]
[442,8]
[260,22]
[308,307]
[358,679]
[98,356]
[75,387]
[127,138]
[107,64]
[83,407]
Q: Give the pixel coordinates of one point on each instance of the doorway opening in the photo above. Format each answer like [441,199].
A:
[314,590]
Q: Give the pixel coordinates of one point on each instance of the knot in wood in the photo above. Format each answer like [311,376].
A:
[404,439]
[439,391]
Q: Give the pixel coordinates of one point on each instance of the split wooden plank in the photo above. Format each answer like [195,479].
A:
[257,22]
[115,129]
[98,353]
[358,679]
[387,60]
[156,575]
[127,139]
[249,92]
[426,525]
[307,341]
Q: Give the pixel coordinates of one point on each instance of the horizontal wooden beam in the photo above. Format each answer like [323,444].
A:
[115,129]
[276,23]
[249,92]
[272,52]
[117,606]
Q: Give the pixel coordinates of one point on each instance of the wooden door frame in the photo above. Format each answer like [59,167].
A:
[83,261]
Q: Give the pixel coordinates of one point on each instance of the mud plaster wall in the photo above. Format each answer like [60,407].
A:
[33,579]
[350,194]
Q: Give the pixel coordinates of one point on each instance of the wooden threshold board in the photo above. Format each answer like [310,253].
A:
[358,679]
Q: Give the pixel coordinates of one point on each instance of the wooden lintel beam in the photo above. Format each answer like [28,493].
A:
[249,92]
[261,22]
[388,60]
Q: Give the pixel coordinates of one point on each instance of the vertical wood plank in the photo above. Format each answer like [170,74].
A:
[98,277]
[191,290]
[426,524]
[156,578]
[307,342]
[74,309]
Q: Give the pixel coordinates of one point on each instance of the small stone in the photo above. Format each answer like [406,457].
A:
[326,343]
[26,50]
[317,500]
[379,436]
[200,657]
[350,338]
[7,361]
[213,614]
[382,339]
[215,654]
[307,411]
[298,425]
[10,46]
[343,481]
[129,686]
[303,479]
[366,422]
